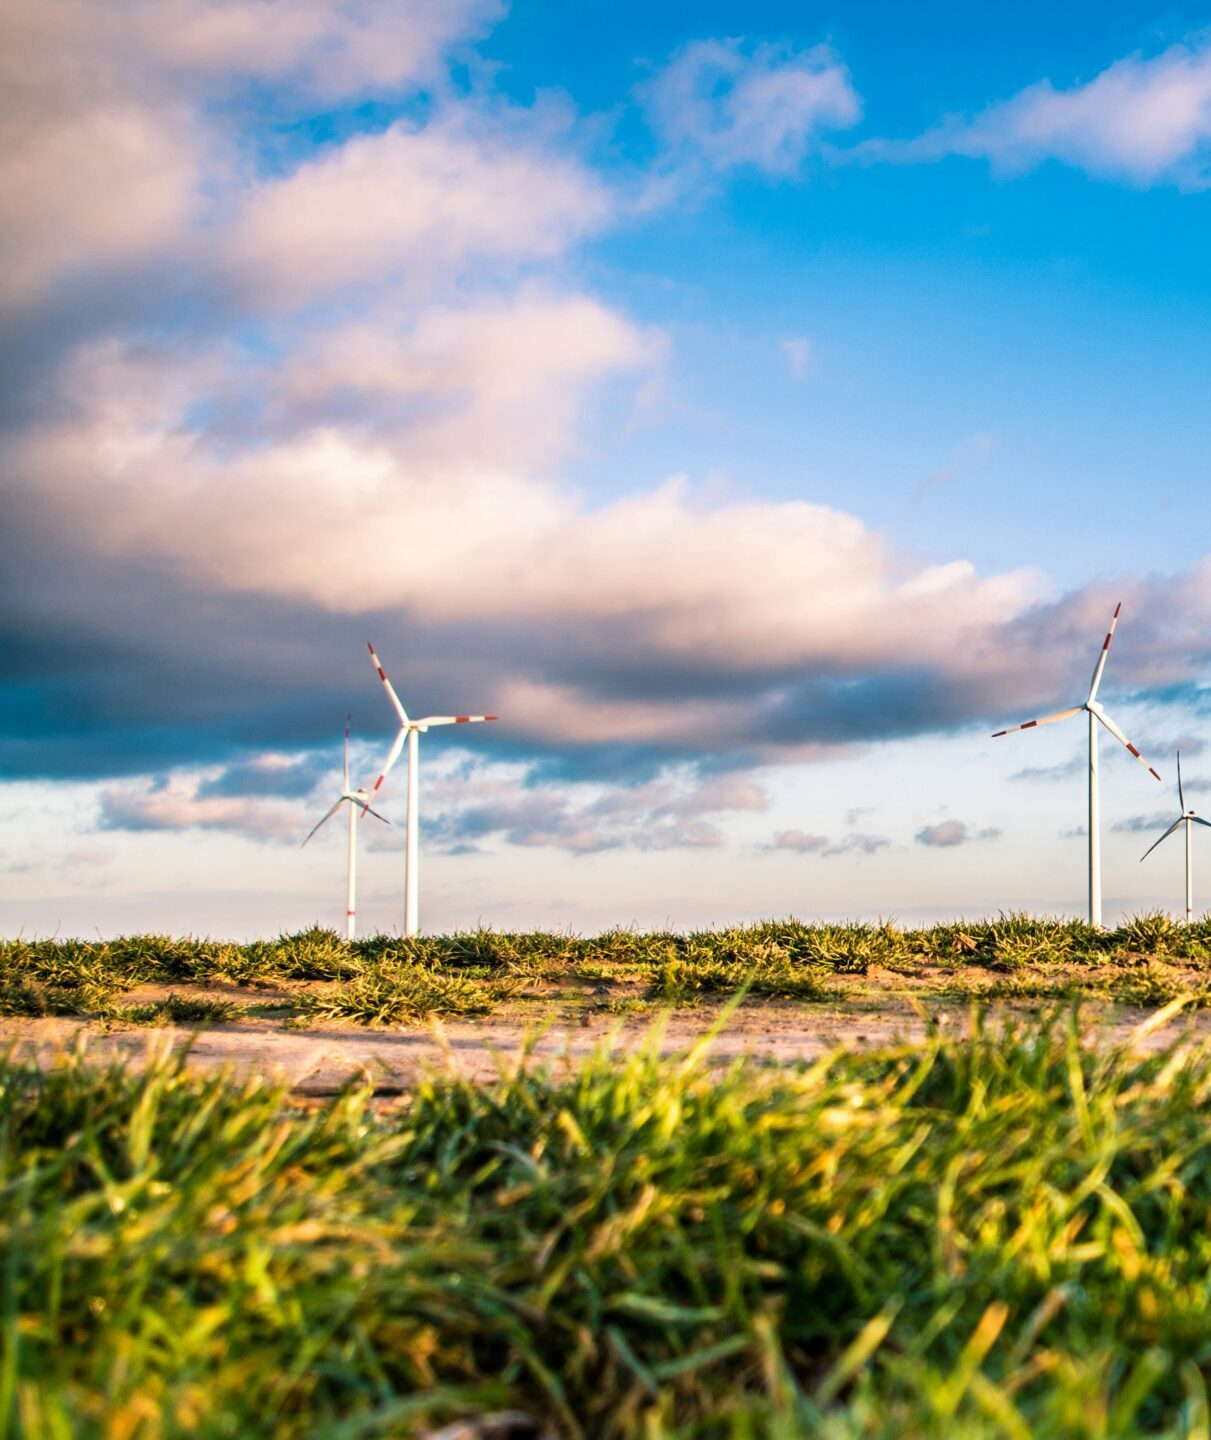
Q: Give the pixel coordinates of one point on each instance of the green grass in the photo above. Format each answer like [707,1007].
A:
[1001,1235]
[395,994]
[175,1010]
[389,981]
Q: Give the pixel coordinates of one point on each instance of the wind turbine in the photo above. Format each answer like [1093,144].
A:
[1093,708]
[357,800]
[1186,818]
[412,730]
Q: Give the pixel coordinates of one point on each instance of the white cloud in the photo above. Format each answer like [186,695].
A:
[357,521]
[799,358]
[175,804]
[766,106]
[104,185]
[333,47]
[416,204]
[497,384]
[107,152]
[1144,120]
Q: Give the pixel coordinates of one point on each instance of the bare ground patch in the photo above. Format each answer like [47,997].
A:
[320,1059]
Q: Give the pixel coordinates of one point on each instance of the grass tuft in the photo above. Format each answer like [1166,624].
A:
[1003,1235]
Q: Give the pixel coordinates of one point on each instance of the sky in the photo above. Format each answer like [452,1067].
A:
[755,406]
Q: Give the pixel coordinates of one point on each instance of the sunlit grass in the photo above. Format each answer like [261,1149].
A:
[1003,1235]
[388,980]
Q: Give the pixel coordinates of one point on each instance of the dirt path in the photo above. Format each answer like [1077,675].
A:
[319,1061]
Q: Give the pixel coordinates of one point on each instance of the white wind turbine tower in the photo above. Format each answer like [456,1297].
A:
[1186,818]
[411,730]
[357,800]
[1093,708]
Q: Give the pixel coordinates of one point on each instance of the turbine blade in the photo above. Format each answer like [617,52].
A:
[326,818]
[1101,659]
[366,810]
[455,719]
[1198,820]
[382,675]
[1122,739]
[348,718]
[1043,720]
[1155,843]
[392,757]
[1181,797]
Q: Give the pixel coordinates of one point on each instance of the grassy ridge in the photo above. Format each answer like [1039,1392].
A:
[999,1236]
[387,980]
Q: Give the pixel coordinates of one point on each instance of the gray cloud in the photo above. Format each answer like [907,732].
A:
[948,833]
[1166,749]
[1065,770]
[289,777]
[799,841]
[859,844]
[1142,824]
[665,813]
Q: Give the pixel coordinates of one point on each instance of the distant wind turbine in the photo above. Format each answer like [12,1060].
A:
[1186,818]
[1095,712]
[357,800]
[411,730]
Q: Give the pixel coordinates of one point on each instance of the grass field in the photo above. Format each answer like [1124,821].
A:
[318,977]
[999,1235]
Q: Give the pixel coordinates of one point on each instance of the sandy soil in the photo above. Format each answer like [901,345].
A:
[318,1061]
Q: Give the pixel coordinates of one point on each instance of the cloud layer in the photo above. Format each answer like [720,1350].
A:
[269,403]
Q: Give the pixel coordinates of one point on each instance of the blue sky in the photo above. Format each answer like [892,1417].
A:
[756,406]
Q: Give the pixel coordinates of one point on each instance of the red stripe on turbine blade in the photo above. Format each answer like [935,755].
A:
[1106,646]
[382,674]
[1152,772]
[1029,725]
[1117,608]
[462,719]
[996,734]
[1134,751]
[369,647]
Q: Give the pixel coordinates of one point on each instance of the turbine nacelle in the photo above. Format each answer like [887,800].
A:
[359,800]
